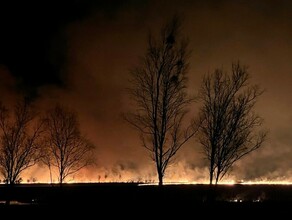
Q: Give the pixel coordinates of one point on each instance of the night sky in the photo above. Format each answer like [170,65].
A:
[79,53]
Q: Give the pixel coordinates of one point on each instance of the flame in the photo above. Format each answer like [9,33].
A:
[179,175]
[230,182]
[141,183]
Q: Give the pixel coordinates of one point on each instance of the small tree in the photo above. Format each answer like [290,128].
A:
[158,87]
[230,127]
[20,141]
[66,149]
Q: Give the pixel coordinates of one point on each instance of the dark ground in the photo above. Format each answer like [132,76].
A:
[116,200]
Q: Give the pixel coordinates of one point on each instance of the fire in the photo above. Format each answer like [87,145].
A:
[180,175]
[141,183]
[267,183]
[223,183]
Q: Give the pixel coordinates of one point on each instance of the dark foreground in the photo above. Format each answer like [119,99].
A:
[103,201]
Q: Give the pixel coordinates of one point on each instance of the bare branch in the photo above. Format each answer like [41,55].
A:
[66,149]
[230,128]
[158,88]
[20,141]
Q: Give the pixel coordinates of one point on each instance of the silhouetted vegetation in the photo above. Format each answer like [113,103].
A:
[230,127]
[20,140]
[66,149]
[159,91]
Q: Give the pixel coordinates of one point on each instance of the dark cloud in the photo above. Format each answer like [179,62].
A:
[33,43]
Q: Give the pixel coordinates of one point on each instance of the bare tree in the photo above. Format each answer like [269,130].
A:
[158,87]
[66,149]
[20,140]
[230,128]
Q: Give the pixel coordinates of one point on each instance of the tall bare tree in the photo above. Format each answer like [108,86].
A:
[66,149]
[20,140]
[158,87]
[230,128]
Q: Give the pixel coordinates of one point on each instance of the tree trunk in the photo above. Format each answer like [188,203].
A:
[61,176]
[212,166]
[211,177]
[218,174]
[217,179]
[160,178]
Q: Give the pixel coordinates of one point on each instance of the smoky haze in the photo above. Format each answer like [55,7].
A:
[102,46]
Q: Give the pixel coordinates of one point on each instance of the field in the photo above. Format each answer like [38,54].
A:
[126,199]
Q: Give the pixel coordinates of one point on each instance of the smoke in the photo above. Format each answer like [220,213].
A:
[8,92]
[103,46]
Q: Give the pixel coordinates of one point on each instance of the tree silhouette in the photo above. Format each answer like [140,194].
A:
[230,129]
[158,88]
[20,140]
[66,149]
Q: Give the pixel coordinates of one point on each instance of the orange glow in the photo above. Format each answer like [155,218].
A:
[225,183]
[174,182]
[180,175]
[168,183]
